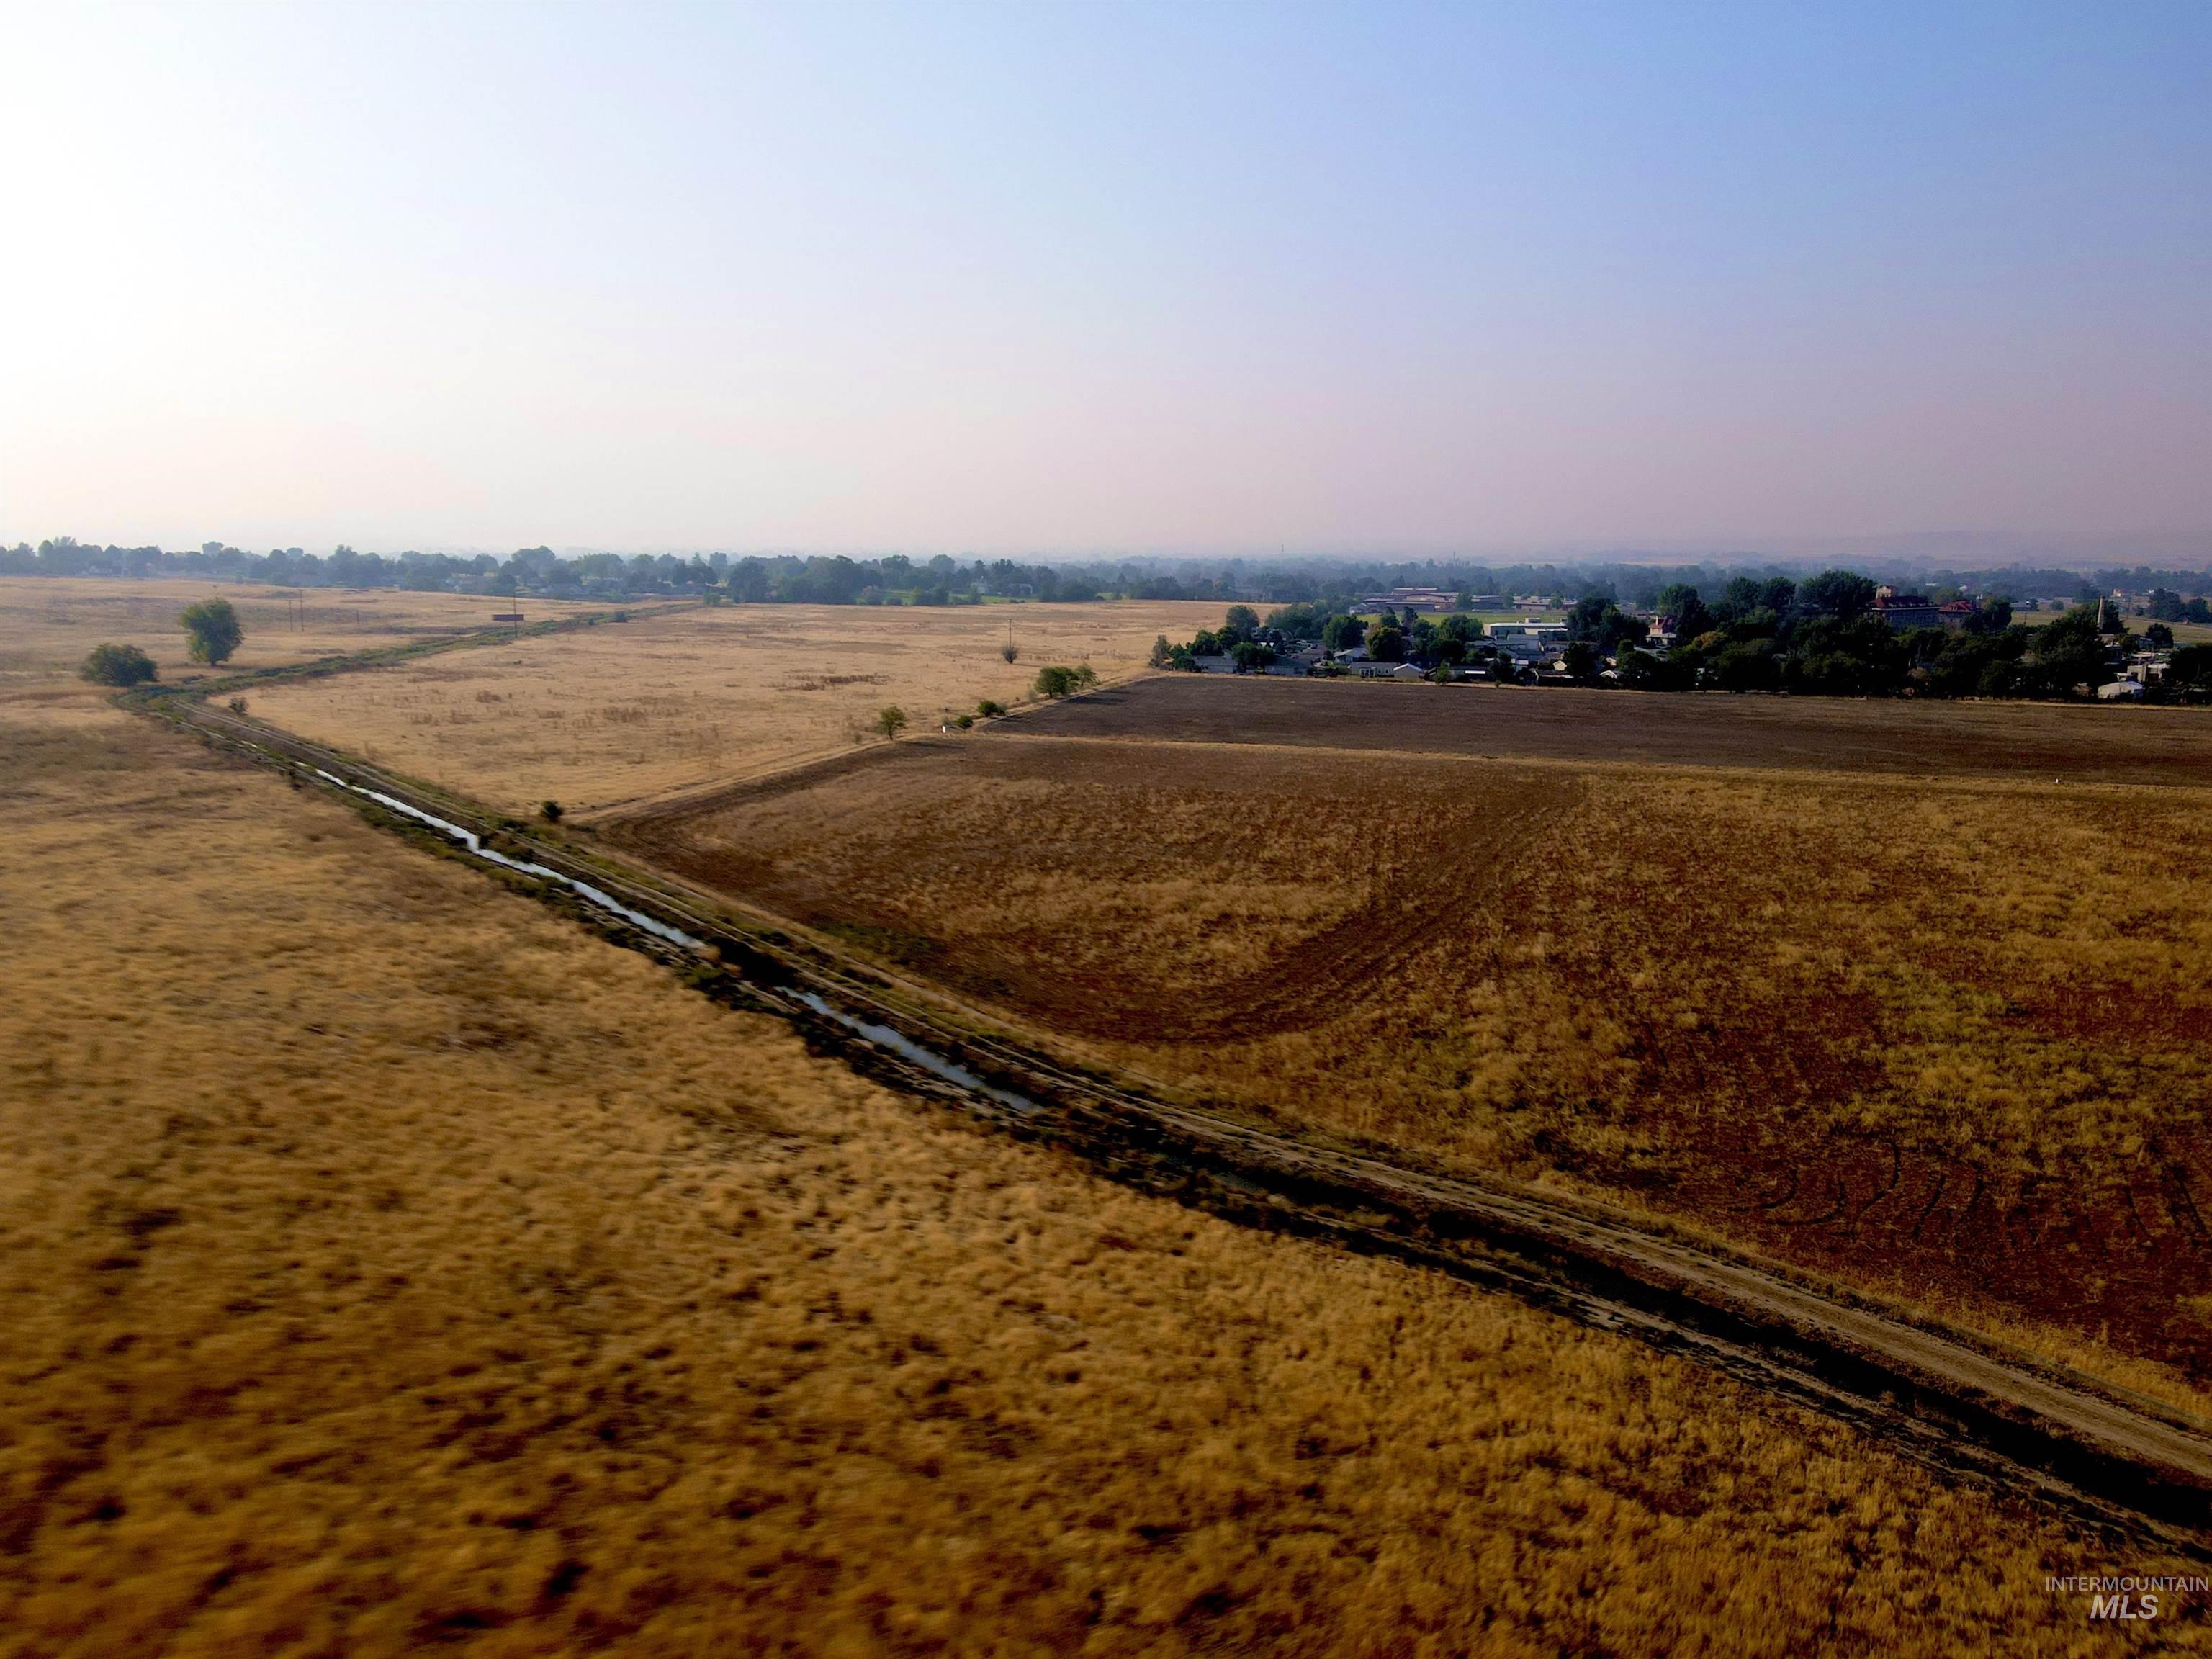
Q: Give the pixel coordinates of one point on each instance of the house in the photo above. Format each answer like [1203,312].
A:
[1531,648]
[1409,599]
[1904,611]
[2147,667]
[1220,664]
[1530,627]
[1957,613]
[2121,691]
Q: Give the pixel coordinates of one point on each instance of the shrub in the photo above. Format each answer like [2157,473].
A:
[964,721]
[1059,681]
[988,709]
[119,664]
[549,811]
[2192,665]
[212,628]
[238,705]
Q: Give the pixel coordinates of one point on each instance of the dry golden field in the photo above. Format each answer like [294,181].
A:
[1948,1037]
[670,703]
[385,1263]
[48,624]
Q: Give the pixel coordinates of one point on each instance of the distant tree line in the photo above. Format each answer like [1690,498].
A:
[894,579]
[1823,637]
[1338,586]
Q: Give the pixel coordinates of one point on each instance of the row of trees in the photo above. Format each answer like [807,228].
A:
[1826,639]
[1822,636]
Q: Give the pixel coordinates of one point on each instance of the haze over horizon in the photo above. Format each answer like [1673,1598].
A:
[1401,280]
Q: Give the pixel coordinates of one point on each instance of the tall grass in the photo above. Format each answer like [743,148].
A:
[616,714]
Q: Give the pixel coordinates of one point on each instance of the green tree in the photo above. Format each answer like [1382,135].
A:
[1745,665]
[891,721]
[1163,652]
[1605,624]
[1296,622]
[2191,665]
[1739,598]
[2071,652]
[1679,600]
[119,664]
[1646,670]
[211,626]
[1455,638]
[1342,633]
[1843,593]
[1241,622]
[1059,681]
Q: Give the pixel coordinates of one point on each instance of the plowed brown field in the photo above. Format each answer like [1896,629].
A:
[1948,1036]
[2072,743]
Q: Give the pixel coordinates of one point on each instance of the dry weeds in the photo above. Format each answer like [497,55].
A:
[385,1263]
[666,704]
[1948,1038]
[47,624]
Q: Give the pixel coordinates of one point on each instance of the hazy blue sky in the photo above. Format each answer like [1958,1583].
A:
[1191,279]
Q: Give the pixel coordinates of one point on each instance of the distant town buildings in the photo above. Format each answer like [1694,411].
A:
[1420,598]
[1904,611]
